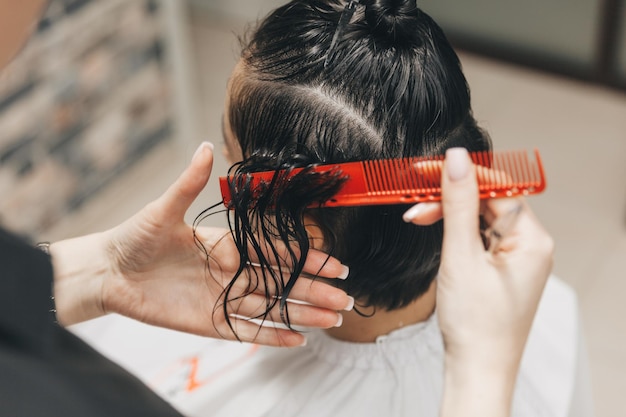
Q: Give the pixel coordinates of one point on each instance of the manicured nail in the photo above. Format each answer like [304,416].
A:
[339,321]
[201,148]
[344,273]
[350,305]
[457,163]
[412,213]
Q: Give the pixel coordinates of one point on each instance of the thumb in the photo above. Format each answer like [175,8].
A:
[460,204]
[179,196]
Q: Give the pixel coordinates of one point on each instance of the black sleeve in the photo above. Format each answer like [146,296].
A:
[44,369]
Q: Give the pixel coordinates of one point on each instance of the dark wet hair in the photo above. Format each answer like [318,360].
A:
[393,88]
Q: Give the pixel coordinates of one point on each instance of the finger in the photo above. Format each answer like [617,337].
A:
[298,314]
[223,263]
[527,231]
[317,262]
[179,196]
[427,213]
[483,173]
[460,203]
[268,335]
[320,294]
[324,265]
[494,177]
[424,214]
[498,207]
[314,292]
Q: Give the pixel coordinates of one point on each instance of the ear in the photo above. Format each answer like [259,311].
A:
[316,237]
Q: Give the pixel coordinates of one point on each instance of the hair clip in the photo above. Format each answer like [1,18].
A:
[346,15]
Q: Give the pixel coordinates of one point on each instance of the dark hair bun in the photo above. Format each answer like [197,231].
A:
[393,20]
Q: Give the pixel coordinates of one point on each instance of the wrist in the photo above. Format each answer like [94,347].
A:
[80,267]
[478,386]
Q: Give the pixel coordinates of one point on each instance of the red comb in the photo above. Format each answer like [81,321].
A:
[418,179]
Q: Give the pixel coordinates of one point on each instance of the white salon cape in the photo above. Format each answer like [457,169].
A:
[399,375]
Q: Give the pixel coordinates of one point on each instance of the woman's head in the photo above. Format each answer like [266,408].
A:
[390,87]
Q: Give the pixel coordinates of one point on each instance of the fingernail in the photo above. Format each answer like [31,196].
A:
[339,321]
[201,148]
[303,343]
[412,213]
[344,273]
[350,305]
[457,163]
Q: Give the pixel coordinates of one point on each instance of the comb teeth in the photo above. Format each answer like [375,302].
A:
[414,180]
[500,174]
[404,176]
[506,174]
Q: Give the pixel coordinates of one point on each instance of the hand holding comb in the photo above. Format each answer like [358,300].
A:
[418,179]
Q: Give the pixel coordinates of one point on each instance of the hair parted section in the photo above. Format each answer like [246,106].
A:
[310,120]
[393,88]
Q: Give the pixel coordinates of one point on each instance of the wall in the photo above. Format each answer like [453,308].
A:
[88,96]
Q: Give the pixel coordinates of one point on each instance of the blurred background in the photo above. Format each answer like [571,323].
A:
[109,100]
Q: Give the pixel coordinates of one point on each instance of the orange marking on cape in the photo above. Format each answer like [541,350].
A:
[194,362]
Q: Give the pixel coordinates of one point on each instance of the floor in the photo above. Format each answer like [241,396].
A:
[580,130]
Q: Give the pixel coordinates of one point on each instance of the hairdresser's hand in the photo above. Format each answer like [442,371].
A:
[149,268]
[485,302]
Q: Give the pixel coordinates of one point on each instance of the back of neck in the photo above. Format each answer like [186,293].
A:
[359,329]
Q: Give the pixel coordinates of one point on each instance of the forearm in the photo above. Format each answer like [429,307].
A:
[477,391]
[80,267]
